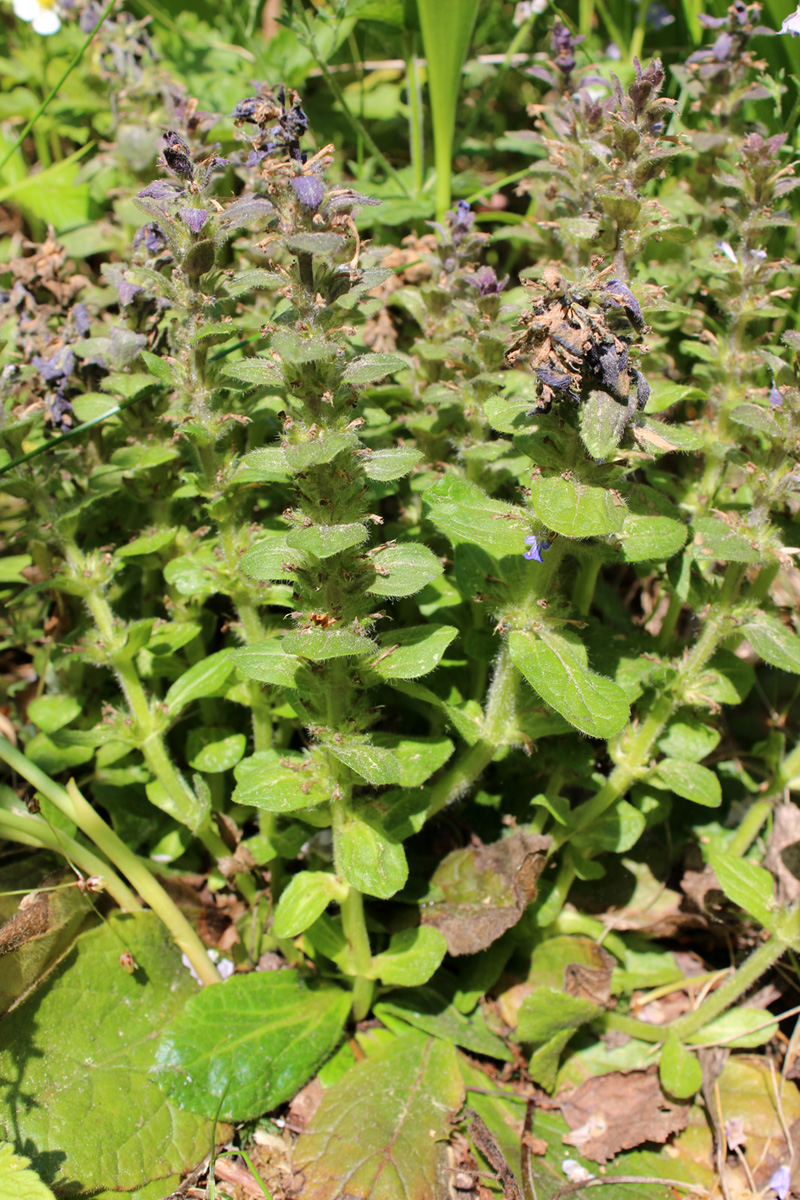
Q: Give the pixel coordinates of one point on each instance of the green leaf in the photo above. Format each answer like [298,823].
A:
[213,750]
[748,885]
[322,449]
[417,757]
[315,243]
[158,368]
[260,372]
[619,828]
[653,530]
[319,645]
[279,782]
[194,575]
[268,463]
[773,642]
[371,367]
[688,738]
[53,712]
[367,857]
[602,424]
[403,570]
[267,662]
[759,419]
[739,1029]
[205,678]
[556,666]
[372,763]
[427,1009]
[387,465]
[149,543]
[691,781]
[466,514]
[678,1069]
[142,457]
[576,509]
[414,955]
[85,1042]
[377,1128]
[16,1181]
[255,1039]
[272,559]
[303,900]
[55,756]
[663,395]
[547,1011]
[543,1063]
[12,566]
[713,539]
[324,540]
[412,652]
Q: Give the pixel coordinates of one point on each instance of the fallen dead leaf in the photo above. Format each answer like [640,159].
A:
[619,1111]
[783,852]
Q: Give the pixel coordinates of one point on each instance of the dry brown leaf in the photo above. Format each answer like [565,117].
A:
[619,1111]
[783,852]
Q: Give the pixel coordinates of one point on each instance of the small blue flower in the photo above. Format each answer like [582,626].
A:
[775,396]
[537,548]
[780,1181]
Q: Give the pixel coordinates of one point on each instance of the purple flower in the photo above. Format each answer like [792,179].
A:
[127,291]
[309,191]
[487,282]
[780,1181]
[83,322]
[537,548]
[152,236]
[58,367]
[775,396]
[195,218]
[160,189]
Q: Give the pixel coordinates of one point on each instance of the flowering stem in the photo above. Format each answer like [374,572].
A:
[54,91]
[499,716]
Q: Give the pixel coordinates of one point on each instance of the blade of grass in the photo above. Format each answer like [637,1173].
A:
[447,27]
[54,92]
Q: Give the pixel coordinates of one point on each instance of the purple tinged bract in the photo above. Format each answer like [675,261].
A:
[195,218]
[309,190]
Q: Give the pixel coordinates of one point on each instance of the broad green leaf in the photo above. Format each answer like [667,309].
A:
[688,738]
[678,1069]
[386,465]
[53,712]
[321,449]
[739,1029]
[715,540]
[149,543]
[195,575]
[255,1039]
[260,372]
[653,530]
[544,1062]
[690,780]
[266,662]
[466,514]
[279,782]
[556,666]
[205,678]
[371,367]
[576,509]
[168,636]
[367,857]
[417,757]
[142,457]
[773,642]
[54,756]
[619,828]
[315,243]
[272,559]
[303,900]
[403,570]
[377,1128]
[663,395]
[213,750]
[602,423]
[11,567]
[748,885]
[325,540]
[412,958]
[374,764]
[319,645]
[759,419]
[17,1181]
[547,1011]
[84,1047]
[412,652]
[267,463]
[427,1009]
